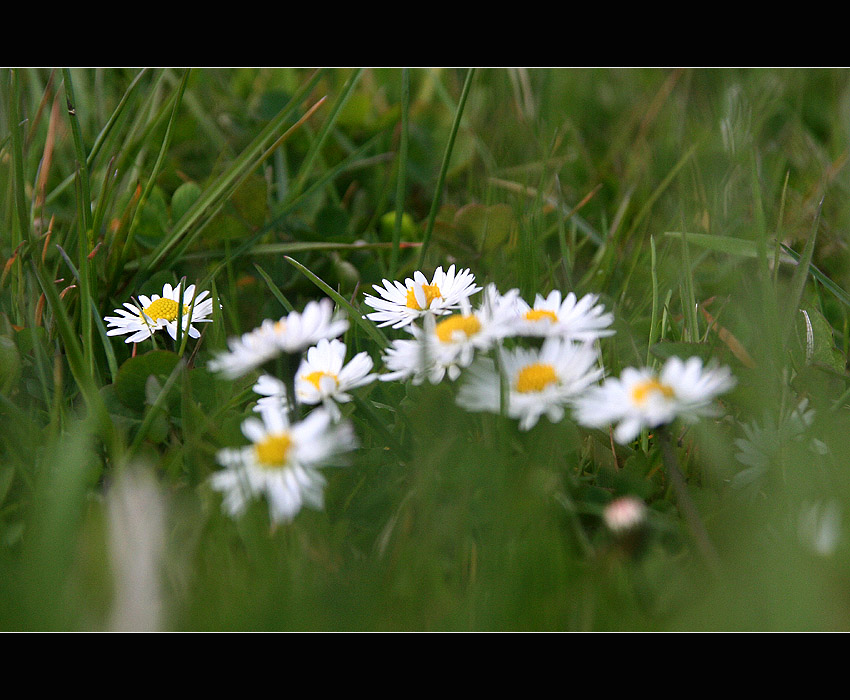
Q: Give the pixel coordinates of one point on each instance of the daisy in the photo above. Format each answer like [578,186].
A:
[400,304]
[281,464]
[577,319]
[293,333]
[323,379]
[156,312]
[447,345]
[538,382]
[643,398]
[272,391]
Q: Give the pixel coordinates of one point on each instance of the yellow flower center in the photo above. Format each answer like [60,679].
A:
[432,291]
[642,390]
[535,378]
[316,377]
[165,309]
[271,452]
[537,314]
[468,325]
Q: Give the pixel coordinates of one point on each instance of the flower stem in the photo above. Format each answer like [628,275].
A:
[686,505]
[291,362]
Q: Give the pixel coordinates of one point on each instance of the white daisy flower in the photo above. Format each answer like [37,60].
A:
[538,382]
[272,392]
[293,333]
[282,463]
[323,378]
[400,304]
[643,398]
[156,312]
[576,319]
[447,345]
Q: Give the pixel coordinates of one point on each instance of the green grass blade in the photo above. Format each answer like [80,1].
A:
[801,274]
[229,180]
[827,283]
[402,170]
[160,159]
[315,147]
[444,168]
[76,361]
[355,315]
[741,247]
[284,302]
[665,183]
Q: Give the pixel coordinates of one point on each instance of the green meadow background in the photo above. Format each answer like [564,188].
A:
[708,208]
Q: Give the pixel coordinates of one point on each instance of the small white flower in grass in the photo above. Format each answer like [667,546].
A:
[293,333]
[323,378]
[576,319]
[282,463]
[161,312]
[445,345]
[400,304]
[538,382]
[643,398]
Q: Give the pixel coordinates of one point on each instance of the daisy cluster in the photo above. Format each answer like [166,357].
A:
[283,462]
[529,360]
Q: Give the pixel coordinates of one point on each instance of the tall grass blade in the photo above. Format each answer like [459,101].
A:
[444,168]
[402,170]
[356,316]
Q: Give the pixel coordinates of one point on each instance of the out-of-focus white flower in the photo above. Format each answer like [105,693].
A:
[643,398]
[767,443]
[272,392]
[400,304]
[538,382]
[323,378]
[820,526]
[282,463]
[571,318]
[292,333]
[445,345]
[624,514]
[161,312]
[136,511]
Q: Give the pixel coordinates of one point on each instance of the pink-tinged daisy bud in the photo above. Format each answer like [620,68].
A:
[624,514]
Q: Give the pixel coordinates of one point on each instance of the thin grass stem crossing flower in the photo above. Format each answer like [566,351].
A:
[157,312]
[444,345]
[323,377]
[398,305]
